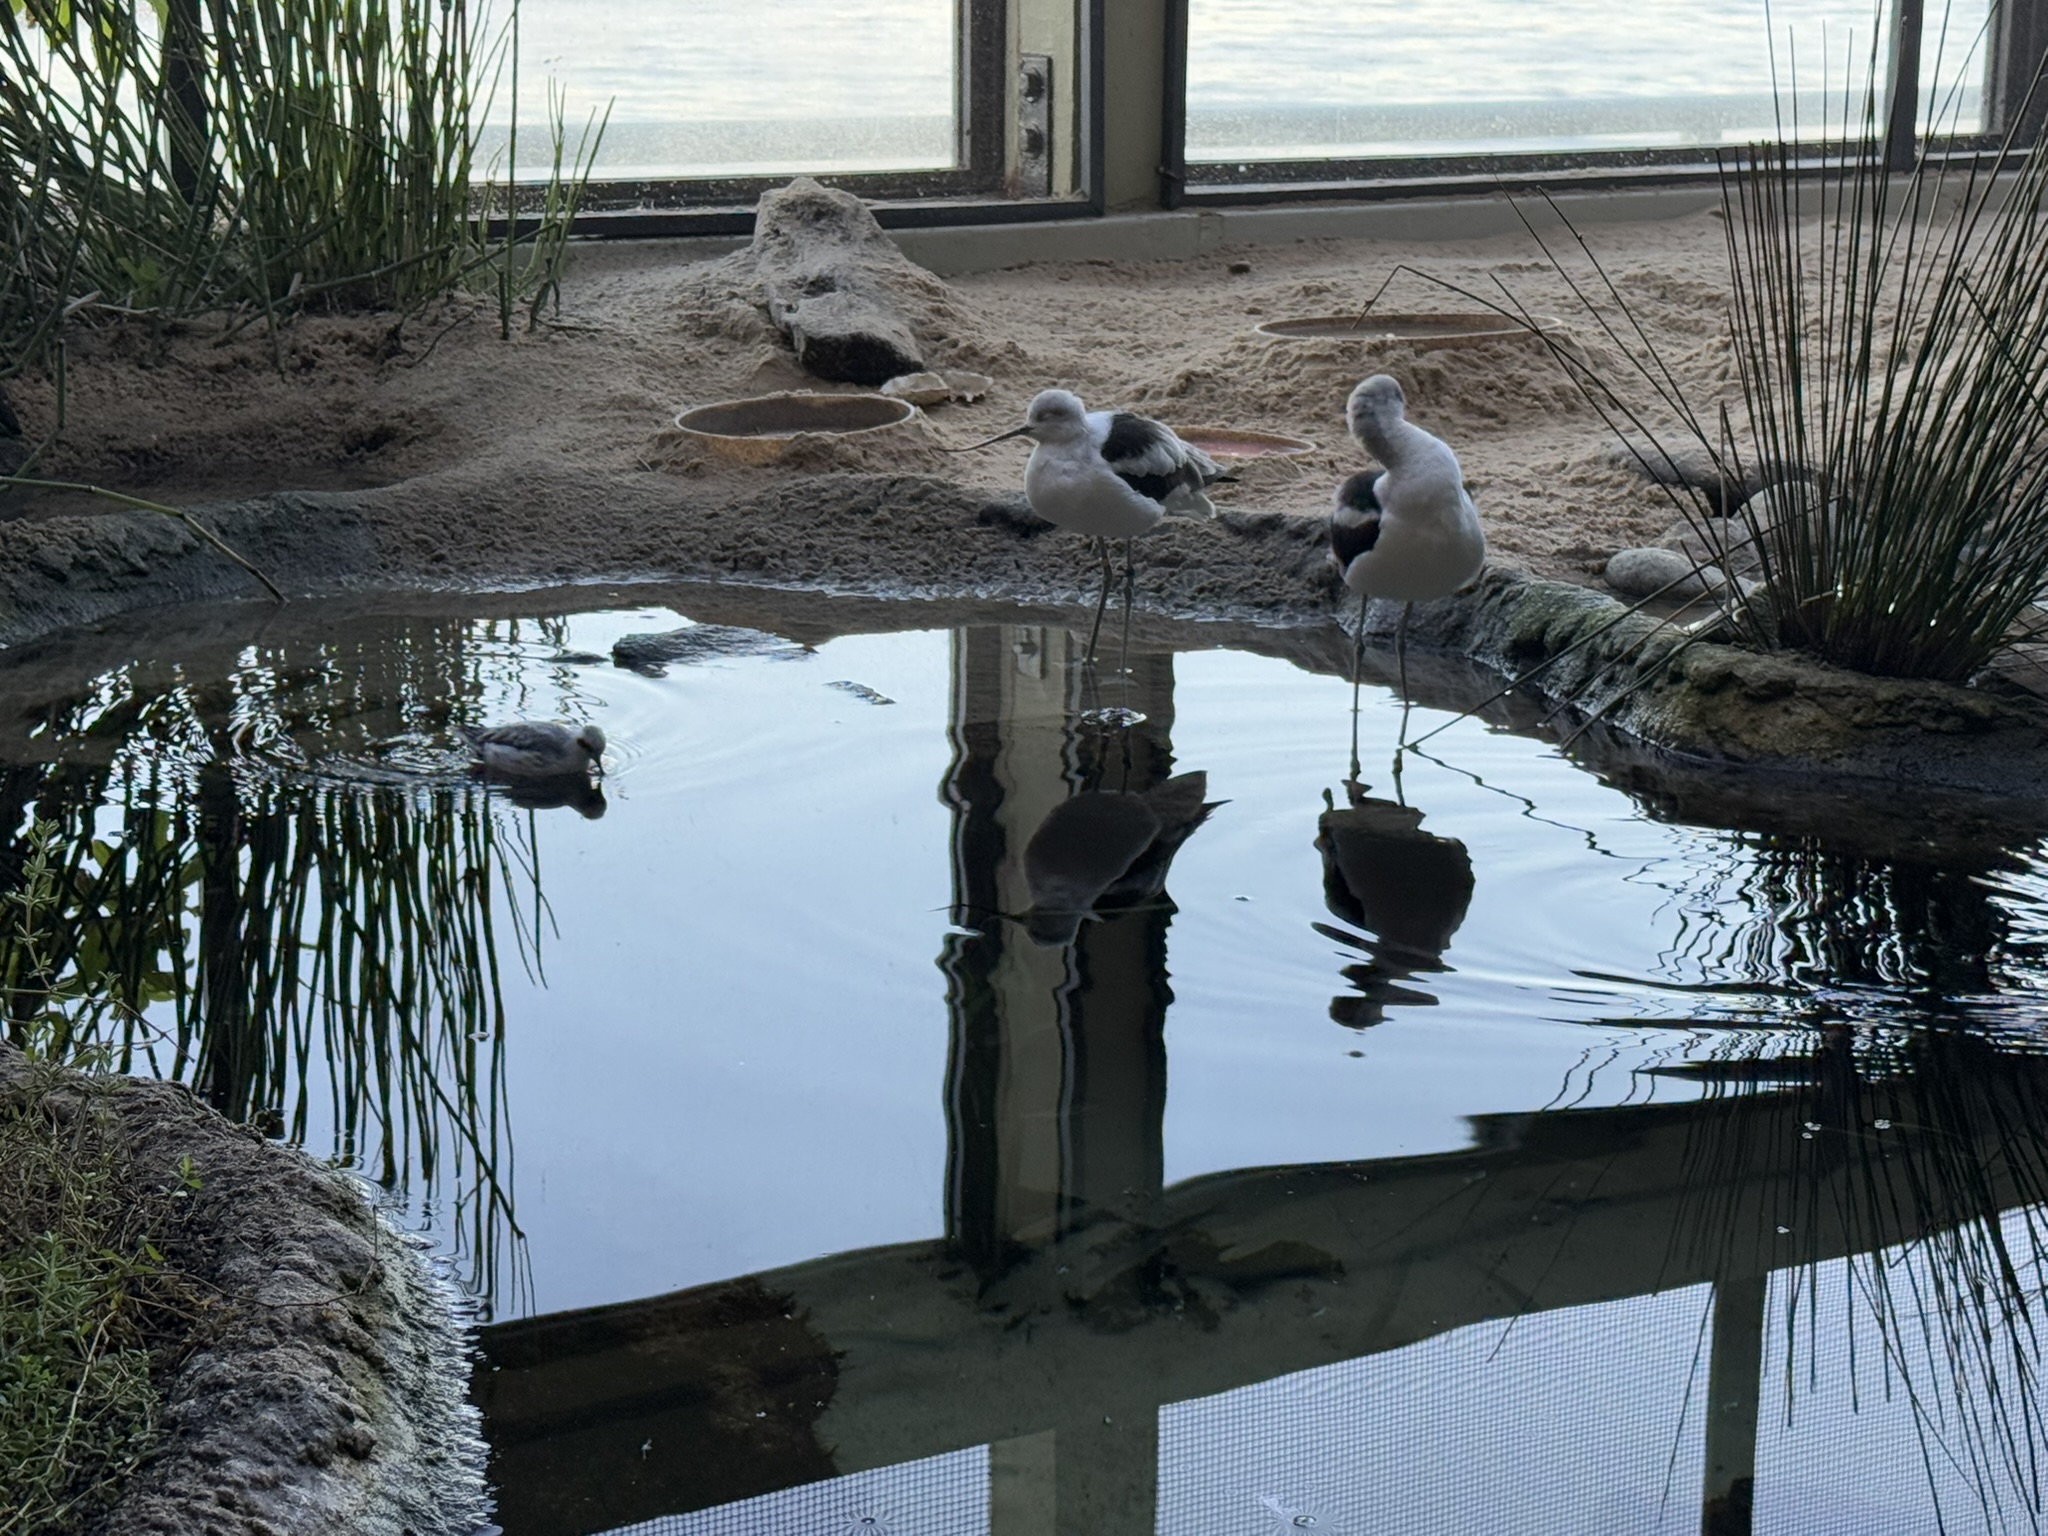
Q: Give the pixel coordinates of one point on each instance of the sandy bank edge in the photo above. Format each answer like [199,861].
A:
[916,536]
[325,1389]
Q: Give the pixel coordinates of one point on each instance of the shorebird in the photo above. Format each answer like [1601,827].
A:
[536,749]
[1408,533]
[1108,475]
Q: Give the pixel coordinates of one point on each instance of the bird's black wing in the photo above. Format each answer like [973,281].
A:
[1355,518]
[1150,459]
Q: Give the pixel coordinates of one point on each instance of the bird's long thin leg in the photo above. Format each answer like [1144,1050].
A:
[1095,633]
[1357,665]
[1123,664]
[1401,666]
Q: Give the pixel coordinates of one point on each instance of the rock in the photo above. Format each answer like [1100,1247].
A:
[653,654]
[831,279]
[1654,571]
[1691,465]
[919,388]
[929,388]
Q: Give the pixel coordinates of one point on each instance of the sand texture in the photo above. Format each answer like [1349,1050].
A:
[588,397]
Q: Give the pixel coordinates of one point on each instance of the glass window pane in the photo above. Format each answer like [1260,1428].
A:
[1302,79]
[1953,48]
[740,87]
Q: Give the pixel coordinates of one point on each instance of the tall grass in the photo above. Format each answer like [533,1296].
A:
[1889,337]
[171,158]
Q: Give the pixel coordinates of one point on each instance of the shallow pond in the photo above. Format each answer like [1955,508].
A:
[930,1087]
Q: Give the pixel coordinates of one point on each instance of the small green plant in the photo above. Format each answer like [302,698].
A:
[40,1004]
[88,1310]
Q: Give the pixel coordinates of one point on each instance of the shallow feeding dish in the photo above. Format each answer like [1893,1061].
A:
[1427,331]
[1242,442]
[762,428]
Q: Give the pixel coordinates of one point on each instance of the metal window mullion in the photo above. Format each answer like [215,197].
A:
[981,90]
[1173,139]
[1902,87]
[2018,44]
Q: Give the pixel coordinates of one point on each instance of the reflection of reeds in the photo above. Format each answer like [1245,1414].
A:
[257,941]
[1898,1183]
[1792,911]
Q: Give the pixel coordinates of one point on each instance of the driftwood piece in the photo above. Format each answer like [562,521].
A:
[835,284]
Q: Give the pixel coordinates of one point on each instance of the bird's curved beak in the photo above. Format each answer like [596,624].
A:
[998,438]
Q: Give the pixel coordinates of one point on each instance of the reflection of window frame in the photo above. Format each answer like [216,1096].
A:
[2013,45]
[969,192]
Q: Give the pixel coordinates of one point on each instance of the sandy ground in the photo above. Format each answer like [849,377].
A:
[364,401]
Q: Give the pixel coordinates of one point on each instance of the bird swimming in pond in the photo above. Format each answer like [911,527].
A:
[1409,532]
[1108,475]
[537,749]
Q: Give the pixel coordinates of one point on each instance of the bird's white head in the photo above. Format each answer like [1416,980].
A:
[1056,416]
[1375,408]
[591,740]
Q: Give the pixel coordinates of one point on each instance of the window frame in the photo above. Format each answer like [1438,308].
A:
[1354,178]
[968,192]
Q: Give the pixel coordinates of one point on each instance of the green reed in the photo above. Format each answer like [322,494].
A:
[188,157]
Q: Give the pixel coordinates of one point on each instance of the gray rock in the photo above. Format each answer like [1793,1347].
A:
[1724,487]
[832,281]
[1654,571]
[932,388]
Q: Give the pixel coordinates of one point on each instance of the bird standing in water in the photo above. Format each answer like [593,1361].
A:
[1408,533]
[1109,475]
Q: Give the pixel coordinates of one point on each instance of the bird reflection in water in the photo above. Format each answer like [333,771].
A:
[578,792]
[1107,851]
[1406,888]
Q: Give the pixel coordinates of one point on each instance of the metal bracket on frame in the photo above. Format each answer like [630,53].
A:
[1034,125]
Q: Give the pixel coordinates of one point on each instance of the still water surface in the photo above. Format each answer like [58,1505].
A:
[903,1099]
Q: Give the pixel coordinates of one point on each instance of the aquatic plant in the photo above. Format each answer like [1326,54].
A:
[1886,332]
[176,158]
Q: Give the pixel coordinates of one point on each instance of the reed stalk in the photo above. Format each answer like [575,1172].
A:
[182,158]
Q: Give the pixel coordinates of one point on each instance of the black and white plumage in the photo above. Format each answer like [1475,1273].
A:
[1410,532]
[536,749]
[1109,475]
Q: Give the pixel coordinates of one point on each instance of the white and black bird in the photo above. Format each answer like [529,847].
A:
[1108,475]
[1409,532]
[536,749]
